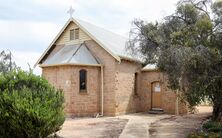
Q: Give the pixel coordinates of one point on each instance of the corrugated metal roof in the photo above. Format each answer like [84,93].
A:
[83,56]
[113,43]
[150,67]
[72,54]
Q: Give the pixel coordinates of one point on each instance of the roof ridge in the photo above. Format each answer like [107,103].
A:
[103,28]
[111,42]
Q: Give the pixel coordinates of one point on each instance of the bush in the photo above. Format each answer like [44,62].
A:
[196,135]
[29,106]
[212,126]
[204,135]
[211,129]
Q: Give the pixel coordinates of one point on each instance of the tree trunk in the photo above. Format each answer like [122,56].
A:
[217,112]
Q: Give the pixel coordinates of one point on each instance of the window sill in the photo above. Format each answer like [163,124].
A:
[83,92]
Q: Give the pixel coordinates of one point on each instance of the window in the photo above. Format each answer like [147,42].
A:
[82,80]
[135,83]
[74,34]
[77,33]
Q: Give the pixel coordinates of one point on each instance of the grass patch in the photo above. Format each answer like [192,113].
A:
[209,129]
[212,126]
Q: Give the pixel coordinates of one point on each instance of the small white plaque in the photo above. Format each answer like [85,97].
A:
[157,88]
[67,82]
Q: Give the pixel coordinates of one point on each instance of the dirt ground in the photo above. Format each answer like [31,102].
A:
[125,126]
[92,128]
[179,126]
[138,125]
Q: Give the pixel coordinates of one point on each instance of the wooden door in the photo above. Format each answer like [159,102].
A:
[156,95]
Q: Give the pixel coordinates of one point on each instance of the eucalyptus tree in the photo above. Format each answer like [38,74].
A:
[6,62]
[187,46]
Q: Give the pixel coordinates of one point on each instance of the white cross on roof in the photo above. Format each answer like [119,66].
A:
[70,11]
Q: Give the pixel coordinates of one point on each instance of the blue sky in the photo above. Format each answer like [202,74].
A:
[28,26]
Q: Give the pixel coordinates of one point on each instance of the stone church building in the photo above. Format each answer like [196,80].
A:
[91,66]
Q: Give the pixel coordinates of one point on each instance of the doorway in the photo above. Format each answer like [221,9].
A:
[156,94]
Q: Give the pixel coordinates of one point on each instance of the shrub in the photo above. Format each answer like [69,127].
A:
[29,106]
[212,126]
[211,129]
[196,135]
[204,135]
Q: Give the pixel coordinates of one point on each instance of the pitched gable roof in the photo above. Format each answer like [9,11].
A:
[110,41]
[113,43]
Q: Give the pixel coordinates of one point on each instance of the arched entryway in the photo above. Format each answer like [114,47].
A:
[156,95]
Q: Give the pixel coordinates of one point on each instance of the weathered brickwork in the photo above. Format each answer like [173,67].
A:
[109,75]
[127,99]
[67,78]
[168,96]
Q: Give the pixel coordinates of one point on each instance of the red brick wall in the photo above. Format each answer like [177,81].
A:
[67,79]
[109,76]
[168,95]
[126,100]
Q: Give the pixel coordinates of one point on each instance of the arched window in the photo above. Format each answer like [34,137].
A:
[135,83]
[82,80]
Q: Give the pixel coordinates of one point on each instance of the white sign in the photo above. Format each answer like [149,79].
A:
[157,88]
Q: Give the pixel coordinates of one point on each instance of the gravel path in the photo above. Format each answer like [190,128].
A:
[138,124]
[179,126]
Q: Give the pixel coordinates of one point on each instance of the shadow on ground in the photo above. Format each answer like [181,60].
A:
[92,127]
[179,126]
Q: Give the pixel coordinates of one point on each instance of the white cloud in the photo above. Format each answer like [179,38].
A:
[24,59]
[13,32]
[22,30]
[27,37]
[117,15]
[62,3]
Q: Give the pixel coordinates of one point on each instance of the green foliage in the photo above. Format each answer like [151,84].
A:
[204,135]
[187,46]
[212,126]
[29,106]
[211,129]
[197,135]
